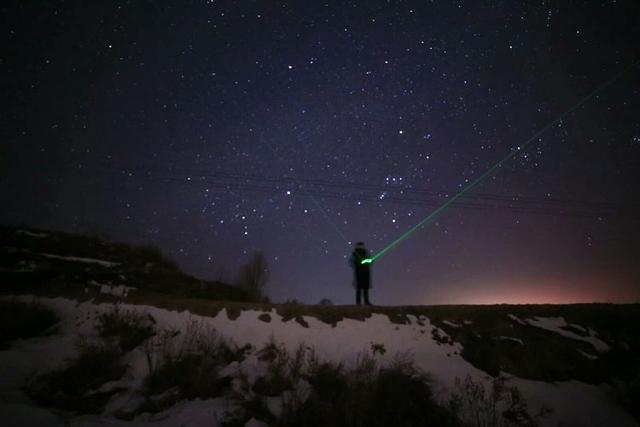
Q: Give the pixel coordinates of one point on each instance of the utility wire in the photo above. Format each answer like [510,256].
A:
[568,210]
[314,184]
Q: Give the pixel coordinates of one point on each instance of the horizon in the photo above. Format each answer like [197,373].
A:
[480,301]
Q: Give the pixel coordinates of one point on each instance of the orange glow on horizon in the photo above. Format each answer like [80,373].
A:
[535,291]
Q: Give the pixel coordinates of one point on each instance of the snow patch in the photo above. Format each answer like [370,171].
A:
[588,355]
[516,319]
[82,259]
[517,340]
[452,324]
[115,290]
[32,234]
[578,328]
[572,402]
[556,324]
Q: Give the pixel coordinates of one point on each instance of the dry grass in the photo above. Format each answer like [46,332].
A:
[128,328]
[366,394]
[189,362]
[75,387]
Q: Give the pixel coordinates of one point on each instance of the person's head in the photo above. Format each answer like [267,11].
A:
[360,245]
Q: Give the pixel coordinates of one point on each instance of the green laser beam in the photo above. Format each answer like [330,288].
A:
[313,199]
[492,169]
[366,261]
[328,218]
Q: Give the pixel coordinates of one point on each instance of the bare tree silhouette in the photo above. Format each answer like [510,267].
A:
[254,275]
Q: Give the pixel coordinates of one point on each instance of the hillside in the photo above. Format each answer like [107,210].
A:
[56,263]
[102,333]
[241,364]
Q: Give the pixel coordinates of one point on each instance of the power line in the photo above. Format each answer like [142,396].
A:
[318,205]
[290,182]
[513,206]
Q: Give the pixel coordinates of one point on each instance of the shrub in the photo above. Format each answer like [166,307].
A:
[76,387]
[253,276]
[499,405]
[401,396]
[253,407]
[326,403]
[366,395]
[195,376]
[320,393]
[20,320]
[192,364]
[128,328]
[282,371]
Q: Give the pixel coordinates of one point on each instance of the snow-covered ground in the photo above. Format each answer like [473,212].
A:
[512,339]
[556,324]
[115,290]
[572,402]
[32,233]
[82,259]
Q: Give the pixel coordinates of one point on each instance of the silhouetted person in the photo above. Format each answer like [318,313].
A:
[362,279]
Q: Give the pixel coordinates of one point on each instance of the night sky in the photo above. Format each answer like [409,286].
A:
[215,129]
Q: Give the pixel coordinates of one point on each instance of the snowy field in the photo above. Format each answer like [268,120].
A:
[572,403]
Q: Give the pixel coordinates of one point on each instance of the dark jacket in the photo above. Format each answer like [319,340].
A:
[362,271]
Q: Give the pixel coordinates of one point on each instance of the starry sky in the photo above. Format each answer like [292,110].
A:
[213,129]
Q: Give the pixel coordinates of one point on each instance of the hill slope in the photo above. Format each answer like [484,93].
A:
[240,365]
[57,263]
[137,339]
